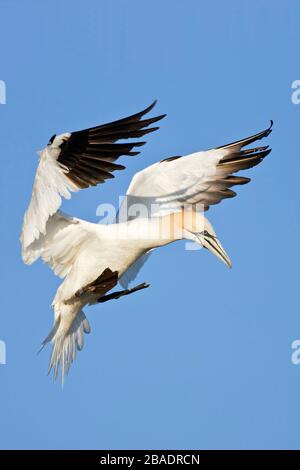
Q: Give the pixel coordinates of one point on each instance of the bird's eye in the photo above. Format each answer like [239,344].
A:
[52,139]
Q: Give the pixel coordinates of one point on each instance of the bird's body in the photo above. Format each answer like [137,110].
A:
[117,247]
[164,203]
[112,248]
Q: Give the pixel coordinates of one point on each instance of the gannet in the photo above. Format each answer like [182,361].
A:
[164,202]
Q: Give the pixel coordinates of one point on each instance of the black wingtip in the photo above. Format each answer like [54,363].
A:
[156,119]
[266,153]
[269,130]
[248,140]
[138,144]
[150,107]
[270,126]
[147,110]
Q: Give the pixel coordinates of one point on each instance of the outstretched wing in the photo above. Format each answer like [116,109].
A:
[89,155]
[77,160]
[202,178]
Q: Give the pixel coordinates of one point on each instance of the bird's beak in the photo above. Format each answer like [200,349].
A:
[211,242]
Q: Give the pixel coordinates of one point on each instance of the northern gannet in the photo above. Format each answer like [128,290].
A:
[164,202]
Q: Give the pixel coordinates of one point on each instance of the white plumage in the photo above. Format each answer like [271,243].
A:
[164,202]
[50,185]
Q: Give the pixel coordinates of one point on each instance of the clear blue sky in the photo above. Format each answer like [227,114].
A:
[202,359]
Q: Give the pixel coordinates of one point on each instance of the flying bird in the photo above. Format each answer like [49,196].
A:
[164,202]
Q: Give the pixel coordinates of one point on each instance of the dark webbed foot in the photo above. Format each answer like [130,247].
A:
[120,293]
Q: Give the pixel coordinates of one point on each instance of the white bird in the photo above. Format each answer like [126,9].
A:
[164,203]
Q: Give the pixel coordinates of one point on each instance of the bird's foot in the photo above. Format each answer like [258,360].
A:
[121,293]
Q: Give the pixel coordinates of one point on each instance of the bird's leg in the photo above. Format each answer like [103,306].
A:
[120,293]
[106,281]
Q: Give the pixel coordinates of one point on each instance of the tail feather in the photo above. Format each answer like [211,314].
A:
[65,343]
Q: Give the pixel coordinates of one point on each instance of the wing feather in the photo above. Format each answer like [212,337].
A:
[60,245]
[202,178]
[77,160]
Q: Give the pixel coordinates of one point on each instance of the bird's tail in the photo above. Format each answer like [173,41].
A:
[67,337]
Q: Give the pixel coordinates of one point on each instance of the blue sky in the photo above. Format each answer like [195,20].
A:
[202,359]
